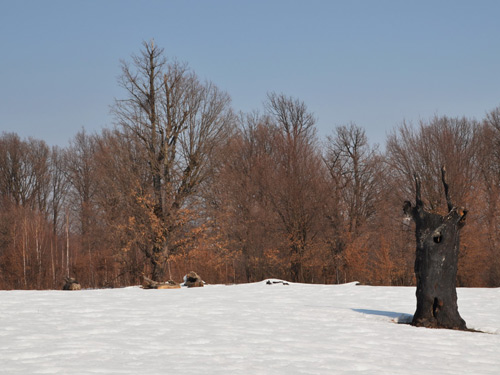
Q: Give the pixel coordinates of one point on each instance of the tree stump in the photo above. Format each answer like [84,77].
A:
[193,280]
[436,262]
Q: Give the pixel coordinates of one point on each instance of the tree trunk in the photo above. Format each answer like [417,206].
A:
[159,262]
[67,243]
[436,262]
[295,263]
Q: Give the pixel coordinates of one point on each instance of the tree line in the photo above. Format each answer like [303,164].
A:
[183,183]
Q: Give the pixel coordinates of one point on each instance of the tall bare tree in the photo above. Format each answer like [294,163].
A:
[355,172]
[178,122]
[58,197]
[354,169]
[297,181]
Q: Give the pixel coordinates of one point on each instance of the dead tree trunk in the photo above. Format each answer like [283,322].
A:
[436,262]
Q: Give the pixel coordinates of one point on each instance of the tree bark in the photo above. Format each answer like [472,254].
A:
[436,262]
[159,262]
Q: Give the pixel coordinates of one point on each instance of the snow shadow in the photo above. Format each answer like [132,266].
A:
[400,318]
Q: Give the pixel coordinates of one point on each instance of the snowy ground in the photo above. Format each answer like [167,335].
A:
[243,329]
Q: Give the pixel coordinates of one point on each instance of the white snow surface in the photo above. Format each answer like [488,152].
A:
[242,329]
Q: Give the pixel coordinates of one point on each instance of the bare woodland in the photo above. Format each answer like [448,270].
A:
[182,182]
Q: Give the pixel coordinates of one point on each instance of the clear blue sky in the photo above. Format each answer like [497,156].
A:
[375,63]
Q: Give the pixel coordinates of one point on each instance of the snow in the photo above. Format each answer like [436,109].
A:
[242,329]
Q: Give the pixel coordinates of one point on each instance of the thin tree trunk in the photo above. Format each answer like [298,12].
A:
[158,261]
[38,254]
[67,244]
[53,262]
[91,273]
[25,245]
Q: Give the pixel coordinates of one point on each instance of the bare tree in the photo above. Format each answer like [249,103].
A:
[424,149]
[238,197]
[24,193]
[81,173]
[354,169]
[297,181]
[292,116]
[58,195]
[355,172]
[487,195]
[58,185]
[80,169]
[178,123]
[24,171]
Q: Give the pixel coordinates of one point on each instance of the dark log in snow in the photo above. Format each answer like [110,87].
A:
[151,284]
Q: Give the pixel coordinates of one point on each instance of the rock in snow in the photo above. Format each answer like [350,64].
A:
[71,284]
[193,280]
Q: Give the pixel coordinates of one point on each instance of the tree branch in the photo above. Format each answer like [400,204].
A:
[446,189]
[418,194]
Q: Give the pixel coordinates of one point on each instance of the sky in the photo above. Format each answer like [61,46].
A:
[372,63]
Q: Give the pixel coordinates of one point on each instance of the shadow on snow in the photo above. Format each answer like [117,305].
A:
[396,317]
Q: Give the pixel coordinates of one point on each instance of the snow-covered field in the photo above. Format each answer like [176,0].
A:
[243,329]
